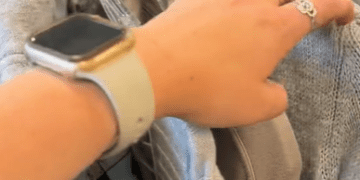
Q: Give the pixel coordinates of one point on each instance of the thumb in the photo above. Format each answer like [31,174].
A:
[275,100]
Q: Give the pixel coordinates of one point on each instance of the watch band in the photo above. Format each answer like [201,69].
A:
[128,87]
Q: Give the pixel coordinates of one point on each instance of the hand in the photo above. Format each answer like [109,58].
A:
[209,60]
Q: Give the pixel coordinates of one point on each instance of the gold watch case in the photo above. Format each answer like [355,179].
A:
[98,57]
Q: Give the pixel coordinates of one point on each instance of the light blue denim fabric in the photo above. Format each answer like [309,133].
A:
[183,151]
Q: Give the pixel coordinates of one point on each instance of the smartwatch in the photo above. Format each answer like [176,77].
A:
[89,48]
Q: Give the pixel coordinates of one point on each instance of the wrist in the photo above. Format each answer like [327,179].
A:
[59,128]
[91,99]
[149,55]
[94,114]
[156,61]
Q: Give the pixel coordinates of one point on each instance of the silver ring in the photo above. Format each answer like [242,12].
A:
[307,7]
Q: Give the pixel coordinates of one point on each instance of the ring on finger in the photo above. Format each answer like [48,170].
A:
[308,8]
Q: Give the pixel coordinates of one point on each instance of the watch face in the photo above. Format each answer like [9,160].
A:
[79,35]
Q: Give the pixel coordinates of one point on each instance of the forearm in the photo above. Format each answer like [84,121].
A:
[51,128]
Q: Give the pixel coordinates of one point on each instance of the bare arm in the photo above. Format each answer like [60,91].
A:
[50,128]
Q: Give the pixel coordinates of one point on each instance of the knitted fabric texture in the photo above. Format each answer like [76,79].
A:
[322,76]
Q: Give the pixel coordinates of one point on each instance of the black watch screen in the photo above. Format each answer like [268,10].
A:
[78,35]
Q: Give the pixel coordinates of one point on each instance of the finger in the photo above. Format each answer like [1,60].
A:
[274,2]
[277,2]
[299,24]
[282,2]
[274,100]
[347,18]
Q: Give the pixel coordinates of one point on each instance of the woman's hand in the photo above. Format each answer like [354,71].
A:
[209,60]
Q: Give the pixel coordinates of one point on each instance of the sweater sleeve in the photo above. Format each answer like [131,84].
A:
[350,167]
[18,19]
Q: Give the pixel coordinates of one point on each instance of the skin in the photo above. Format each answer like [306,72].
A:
[208,61]
[212,68]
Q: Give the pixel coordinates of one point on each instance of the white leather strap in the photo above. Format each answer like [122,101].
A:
[127,85]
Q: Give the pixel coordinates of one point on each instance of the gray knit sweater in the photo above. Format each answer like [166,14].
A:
[322,80]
